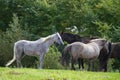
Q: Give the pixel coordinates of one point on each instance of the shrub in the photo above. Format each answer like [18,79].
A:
[116,65]
[52,59]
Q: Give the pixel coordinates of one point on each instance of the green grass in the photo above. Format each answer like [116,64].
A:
[45,74]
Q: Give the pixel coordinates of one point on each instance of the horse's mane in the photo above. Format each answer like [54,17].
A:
[74,37]
[48,38]
[70,34]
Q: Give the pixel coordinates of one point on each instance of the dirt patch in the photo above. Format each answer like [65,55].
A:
[15,73]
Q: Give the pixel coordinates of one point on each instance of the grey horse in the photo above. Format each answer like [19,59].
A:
[81,50]
[36,48]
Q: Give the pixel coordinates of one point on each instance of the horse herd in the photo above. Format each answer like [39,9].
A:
[78,48]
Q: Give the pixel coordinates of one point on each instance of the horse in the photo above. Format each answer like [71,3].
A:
[34,48]
[78,50]
[70,38]
[103,57]
[104,53]
[115,53]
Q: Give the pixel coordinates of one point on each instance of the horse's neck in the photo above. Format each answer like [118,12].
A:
[49,42]
[95,46]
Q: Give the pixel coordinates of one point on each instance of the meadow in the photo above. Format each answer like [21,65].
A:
[51,74]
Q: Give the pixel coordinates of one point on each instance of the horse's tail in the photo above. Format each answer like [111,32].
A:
[14,58]
[109,54]
[109,49]
[66,54]
[105,57]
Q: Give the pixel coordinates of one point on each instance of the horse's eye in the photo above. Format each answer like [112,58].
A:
[58,38]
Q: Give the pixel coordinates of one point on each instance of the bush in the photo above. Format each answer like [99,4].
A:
[52,59]
[116,65]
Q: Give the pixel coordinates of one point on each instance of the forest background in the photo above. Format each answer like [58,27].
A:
[32,19]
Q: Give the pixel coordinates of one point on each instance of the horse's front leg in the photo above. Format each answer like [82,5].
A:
[103,66]
[80,63]
[89,65]
[91,62]
[72,64]
[41,60]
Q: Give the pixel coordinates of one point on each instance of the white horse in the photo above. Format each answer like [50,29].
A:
[34,48]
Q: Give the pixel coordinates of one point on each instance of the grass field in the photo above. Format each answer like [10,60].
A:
[45,74]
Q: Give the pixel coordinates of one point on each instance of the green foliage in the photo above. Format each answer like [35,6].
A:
[8,38]
[44,17]
[52,59]
[104,29]
[116,65]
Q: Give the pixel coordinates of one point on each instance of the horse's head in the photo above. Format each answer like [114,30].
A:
[64,36]
[58,39]
[70,38]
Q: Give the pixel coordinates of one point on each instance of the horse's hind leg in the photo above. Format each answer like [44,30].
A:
[19,64]
[18,59]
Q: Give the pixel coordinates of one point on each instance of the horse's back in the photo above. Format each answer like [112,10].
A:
[77,45]
[24,42]
[84,50]
[20,42]
[77,48]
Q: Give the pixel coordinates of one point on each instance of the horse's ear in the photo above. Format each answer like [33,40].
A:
[61,32]
[88,41]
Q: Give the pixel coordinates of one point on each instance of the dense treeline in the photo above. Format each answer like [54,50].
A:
[31,19]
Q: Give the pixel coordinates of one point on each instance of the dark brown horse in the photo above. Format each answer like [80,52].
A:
[70,38]
[115,51]
[103,57]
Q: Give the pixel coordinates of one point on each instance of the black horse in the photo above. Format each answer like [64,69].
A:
[115,53]
[70,38]
[103,57]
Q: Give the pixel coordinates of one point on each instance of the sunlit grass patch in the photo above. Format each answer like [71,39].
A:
[50,74]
